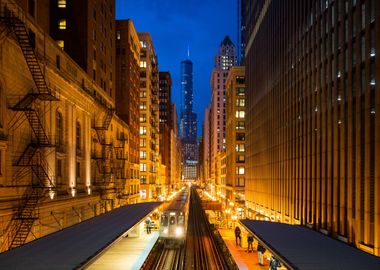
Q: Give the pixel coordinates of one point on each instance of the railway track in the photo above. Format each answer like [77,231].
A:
[201,249]
[162,258]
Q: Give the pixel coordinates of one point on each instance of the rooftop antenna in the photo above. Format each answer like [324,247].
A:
[188,52]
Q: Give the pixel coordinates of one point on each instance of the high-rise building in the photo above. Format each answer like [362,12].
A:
[128,94]
[313,147]
[165,84]
[188,123]
[149,118]
[235,137]
[241,31]
[85,30]
[224,60]
[59,137]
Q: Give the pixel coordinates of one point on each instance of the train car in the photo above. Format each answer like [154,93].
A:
[173,220]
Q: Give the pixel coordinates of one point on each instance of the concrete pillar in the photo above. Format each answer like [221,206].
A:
[87,150]
[70,116]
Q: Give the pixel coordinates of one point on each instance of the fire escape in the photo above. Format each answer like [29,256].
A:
[104,161]
[33,156]
[119,164]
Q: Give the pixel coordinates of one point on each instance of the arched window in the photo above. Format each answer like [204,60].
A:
[78,136]
[59,128]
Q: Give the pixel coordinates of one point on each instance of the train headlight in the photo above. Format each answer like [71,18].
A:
[179,231]
[166,230]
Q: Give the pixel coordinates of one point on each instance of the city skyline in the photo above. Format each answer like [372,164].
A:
[185,16]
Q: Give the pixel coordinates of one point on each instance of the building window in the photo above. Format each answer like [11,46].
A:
[240,102]
[31,7]
[142,142]
[62,3]
[240,158]
[240,182]
[142,167]
[61,44]
[143,118]
[142,154]
[59,129]
[143,44]
[240,170]
[240,114]
[240,147]
[62,24]
[143,105]
[118,35]
[240,125]
[142,130]
[240,136]
[58,172]
[78,170]
[143,64]
[78,136]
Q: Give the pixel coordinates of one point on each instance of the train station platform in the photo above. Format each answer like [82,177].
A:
[298,247]
[244,260]
[78,246]
[128,253]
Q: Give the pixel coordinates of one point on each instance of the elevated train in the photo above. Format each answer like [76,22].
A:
[173,220]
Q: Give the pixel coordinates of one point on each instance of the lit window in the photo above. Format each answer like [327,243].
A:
[62,24]
[142,130]
[142,154]
[118,35]
[240,114]
[62,3]
[143,44]
[143,64]
[61,43]
[142,167]
[240,170]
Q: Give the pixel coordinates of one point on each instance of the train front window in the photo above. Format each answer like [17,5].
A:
[172,220]
[181,219]
[164,220]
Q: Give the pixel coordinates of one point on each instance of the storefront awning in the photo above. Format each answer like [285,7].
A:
[299,247]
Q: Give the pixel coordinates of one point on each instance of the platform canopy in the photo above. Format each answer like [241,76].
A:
[299,247]
[71,247]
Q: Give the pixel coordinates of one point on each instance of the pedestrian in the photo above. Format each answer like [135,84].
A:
[274,263]
[260,251]
[148,225]
[250,243]
[237,236]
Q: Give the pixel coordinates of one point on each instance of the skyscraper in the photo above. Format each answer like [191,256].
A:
[241,31]
[312,149]
[188,122]
[224,60]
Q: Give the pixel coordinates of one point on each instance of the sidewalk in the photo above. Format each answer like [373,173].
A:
[243,259]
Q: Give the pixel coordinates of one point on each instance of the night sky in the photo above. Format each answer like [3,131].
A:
[176,24]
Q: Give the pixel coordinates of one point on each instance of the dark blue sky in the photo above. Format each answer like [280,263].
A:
[176,24]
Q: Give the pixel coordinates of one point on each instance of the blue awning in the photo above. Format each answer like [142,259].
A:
[73,246]
[299,247]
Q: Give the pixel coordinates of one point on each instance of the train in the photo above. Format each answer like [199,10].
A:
[173,220]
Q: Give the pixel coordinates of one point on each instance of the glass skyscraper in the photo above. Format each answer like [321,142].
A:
[188,122]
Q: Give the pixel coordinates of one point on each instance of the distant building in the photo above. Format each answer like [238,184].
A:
[224,60]
[149,120]
[165,84]
[128,95]
[188,123]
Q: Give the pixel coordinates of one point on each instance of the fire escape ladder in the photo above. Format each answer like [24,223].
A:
[23,219]
[26,157]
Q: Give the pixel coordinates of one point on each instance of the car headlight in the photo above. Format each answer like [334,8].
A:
[179,231]
[166,230]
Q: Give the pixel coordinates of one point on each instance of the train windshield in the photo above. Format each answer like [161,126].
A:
[164,220]
[172,220]
[181,219]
